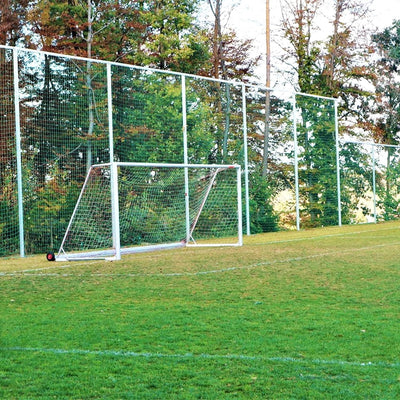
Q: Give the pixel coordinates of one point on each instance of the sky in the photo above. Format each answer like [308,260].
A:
[248,20]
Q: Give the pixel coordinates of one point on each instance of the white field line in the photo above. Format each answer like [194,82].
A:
[52,267]
[69,265]
[132,354]
[199,273]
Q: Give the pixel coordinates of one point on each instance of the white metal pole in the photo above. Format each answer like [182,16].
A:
[18,154]
[339,197]
[374,181]
[185,158]
[169,165]
[184,120]
[110,112]
[246,163]
[239,206]
[116,234]
[296,164]
[115,210]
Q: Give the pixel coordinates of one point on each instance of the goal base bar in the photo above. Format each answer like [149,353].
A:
[214,245]
[110,255]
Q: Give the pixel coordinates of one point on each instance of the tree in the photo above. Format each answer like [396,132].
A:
[313,116]
[386,119]
[302,53]
[173,40]
[12,21]
[230,60]
[387,90]
[156,33]
[333,67]
[267,128]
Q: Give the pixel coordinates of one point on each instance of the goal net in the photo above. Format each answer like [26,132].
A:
[133,207]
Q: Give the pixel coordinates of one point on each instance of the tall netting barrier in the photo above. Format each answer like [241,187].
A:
[64,130]
[357,182]
[69,113]
[147,115]
[316,156]
[215,121]
[60,115]
[270,145]
[387,182]
[370,176]
[292,140]
[9,226]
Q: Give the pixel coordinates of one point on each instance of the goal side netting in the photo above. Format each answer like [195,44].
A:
[133,207]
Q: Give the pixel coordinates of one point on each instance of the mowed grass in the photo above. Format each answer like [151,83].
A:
[291,315]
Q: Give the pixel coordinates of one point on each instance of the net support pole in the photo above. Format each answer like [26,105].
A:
[114,171]
[339,198]
[239,210]
[296,164]
[18,154]
[246,164]
[110,112]
[374,181]
[185,158]
[115,211]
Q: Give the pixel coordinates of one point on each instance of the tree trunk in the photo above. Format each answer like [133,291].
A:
[267,94]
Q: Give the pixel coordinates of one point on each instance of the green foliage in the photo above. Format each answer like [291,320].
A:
[215,122]
[155,208]
[387,103]
[64,114]
[47,209]
[262,217]
[387,117]
[169,44]
[161,34]
[389,41]
[61,135]
[9,232]
[148,117]
[388,186]
[356,180]
[317,161]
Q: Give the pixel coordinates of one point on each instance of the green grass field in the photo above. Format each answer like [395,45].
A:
[290,315]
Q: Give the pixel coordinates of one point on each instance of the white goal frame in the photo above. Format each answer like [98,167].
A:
[116,252]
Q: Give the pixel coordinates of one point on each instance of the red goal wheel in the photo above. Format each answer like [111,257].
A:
[50,256]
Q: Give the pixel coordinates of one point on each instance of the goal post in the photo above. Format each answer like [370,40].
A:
[128,207]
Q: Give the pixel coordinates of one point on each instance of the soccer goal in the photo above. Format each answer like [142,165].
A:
[132,207]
